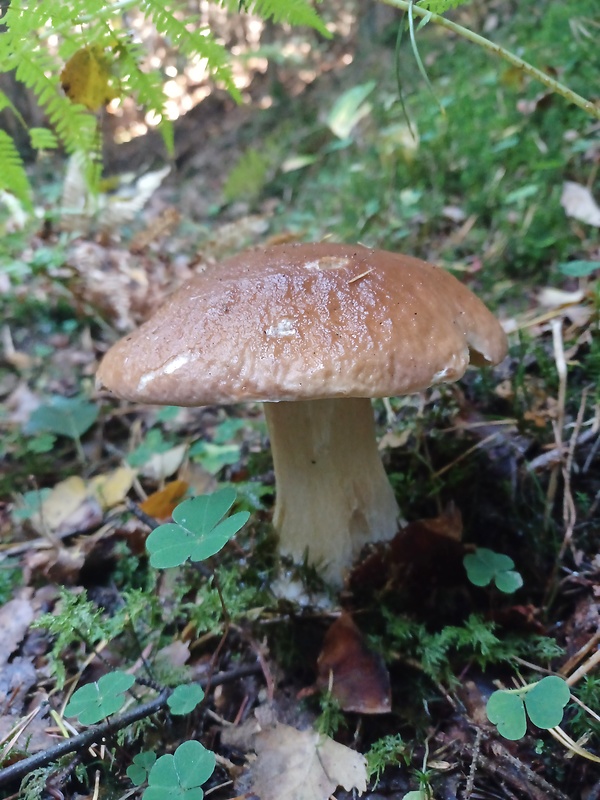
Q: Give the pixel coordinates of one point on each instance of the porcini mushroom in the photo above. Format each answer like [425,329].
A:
[313,331]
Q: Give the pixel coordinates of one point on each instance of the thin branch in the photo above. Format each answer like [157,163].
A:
[495,49]
[96,733]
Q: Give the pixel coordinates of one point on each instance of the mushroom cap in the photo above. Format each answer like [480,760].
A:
[302,322]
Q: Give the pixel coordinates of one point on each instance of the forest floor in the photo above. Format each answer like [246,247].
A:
[499,189]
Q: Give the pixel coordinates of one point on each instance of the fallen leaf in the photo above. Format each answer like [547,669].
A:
[67,509]
[15,618]
[162,465]
[579,204]
[304,765]
[112,488]
[160,504]
[357,675]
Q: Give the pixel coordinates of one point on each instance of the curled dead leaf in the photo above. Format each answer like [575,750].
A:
[357,675]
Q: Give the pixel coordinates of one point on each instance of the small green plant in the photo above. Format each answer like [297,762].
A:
[181,775]
[140,769]
[385,752]
[197,532]
[331,717]
[184,698]
[64,416]
[543,701]
[484,566]
[96,701]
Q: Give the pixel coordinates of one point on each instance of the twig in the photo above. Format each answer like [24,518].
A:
[552,457]
[104,729]
[569,510]
[583,670]
[497,50]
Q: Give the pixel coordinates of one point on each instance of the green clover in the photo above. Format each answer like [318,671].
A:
[484,566]
[543,701]
[180,776]
[198,530]
[96,701]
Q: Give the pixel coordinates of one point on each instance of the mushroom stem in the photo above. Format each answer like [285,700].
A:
[333,495]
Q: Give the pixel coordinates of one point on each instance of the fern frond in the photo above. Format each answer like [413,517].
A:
[13,177]
[42,139]
[191,42]
[294,12]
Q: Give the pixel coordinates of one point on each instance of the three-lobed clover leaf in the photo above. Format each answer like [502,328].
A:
[198,530]
[185,698]
[180,776]
[544,702]
[96,701]
[484,566]
[142,764]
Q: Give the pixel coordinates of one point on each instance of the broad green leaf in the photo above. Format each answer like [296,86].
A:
[214,457]
[142,764]
[545,702]
[180,776]
[185,698]
[507,712]
[64,416]
[96,701]
[579,269]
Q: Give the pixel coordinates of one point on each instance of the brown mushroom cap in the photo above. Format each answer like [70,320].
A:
[302,322]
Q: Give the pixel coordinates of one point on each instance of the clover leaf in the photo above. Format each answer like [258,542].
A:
[544,702]
[198,530]
[185,698]
[142,764]
[507,712]
[96,701]
[180,776]
[484,566]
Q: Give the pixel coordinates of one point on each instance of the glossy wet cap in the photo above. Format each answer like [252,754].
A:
[301,322]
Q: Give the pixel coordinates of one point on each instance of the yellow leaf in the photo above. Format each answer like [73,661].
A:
[86,78]
[111,489]
[62,503]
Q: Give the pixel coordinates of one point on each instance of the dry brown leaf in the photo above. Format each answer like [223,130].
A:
[67,509]
[579,204]
[15,618]
[304,765]
[160,504]
[358,677]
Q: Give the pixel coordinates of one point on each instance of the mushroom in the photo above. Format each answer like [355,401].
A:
[313,331]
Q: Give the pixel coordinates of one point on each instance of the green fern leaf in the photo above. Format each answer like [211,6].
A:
[13,177]
[294,12]
[42,139]
[192,42]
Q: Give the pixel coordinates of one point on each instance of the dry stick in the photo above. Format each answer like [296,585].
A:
[104,729]
[561,369]
[581,653]
[569,510]
[497,50]
[583,670]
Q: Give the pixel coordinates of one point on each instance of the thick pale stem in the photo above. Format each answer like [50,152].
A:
[332,493]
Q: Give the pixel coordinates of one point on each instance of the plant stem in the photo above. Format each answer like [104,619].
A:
[554,86]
